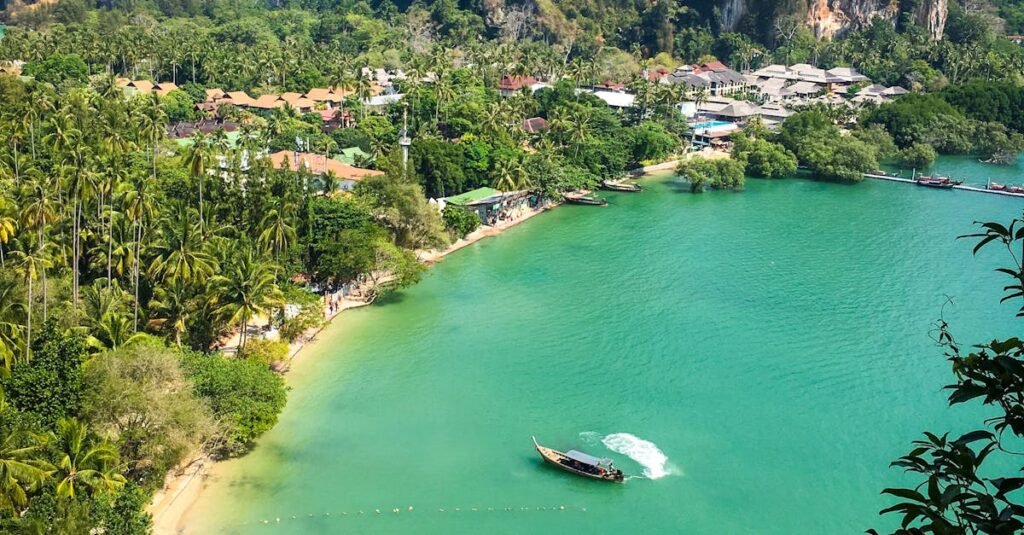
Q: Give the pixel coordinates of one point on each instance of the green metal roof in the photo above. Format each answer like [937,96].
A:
[348,155]
[470,197]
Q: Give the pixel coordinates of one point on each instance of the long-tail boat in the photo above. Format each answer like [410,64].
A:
[579,198]
[581,464]
[995,186]
[620,186]
[941,182]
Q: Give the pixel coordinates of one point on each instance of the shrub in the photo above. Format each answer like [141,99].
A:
[918,155]
[245,397]
[265,352]
[459,222]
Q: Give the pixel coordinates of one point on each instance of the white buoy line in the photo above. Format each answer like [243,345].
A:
[277,520]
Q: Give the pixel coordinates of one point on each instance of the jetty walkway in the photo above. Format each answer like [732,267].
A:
[961,187]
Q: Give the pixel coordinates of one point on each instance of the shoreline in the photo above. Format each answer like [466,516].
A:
[183,487]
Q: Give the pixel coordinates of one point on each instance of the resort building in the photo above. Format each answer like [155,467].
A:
[510,84]
[801,83]
[377,103]
[347,176]
[715,78]
[492,206]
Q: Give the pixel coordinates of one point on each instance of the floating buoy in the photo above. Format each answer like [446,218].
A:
[278,519]
[377,511]
[561,508]
[473,509]
[440,510]
[410,508]
[395,510]
[457,509]
[266,521]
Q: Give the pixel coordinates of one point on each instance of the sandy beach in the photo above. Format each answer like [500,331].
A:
[184,486]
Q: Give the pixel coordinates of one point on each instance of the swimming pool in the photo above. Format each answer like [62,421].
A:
[711,125]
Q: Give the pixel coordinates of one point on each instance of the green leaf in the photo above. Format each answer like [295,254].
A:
[906,494]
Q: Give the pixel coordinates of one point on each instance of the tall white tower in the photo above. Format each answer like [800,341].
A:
[404,141]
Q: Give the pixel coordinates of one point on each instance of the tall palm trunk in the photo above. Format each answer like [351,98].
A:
[28,335]
[135,273]
[44,277]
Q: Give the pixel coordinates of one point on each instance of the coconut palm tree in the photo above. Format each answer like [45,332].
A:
[247,288]
[140,208]
[178,253]
[7,227]
[32,259]
[12,320]
[511,175]
[86,463]
[170,309]
[198,159]
[21,470]
[277,233]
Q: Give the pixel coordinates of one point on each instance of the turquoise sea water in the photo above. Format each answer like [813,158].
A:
[761,356]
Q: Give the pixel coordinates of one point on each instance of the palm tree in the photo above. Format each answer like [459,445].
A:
[246,289]
[86,463]
[277,233]
[33,259]
[21,471]
[7,228]
[198,159]
[152,125]
[364,89]
[169,309]
[141,209]
[179,254]
[511,175]
[12,314]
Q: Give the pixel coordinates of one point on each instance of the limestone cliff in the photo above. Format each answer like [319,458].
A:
[829,18]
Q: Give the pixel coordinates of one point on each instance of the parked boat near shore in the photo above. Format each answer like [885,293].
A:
[613,185]
[580,198]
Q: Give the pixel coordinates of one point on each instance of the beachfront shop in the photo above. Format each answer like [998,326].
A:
[493,206]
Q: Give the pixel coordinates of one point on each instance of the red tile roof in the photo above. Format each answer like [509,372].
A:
[318,164]
[514,83]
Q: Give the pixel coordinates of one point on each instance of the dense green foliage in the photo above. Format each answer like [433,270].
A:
[763,158]
[244,396]
[702,173]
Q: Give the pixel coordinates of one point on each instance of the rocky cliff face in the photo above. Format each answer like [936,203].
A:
[830,18]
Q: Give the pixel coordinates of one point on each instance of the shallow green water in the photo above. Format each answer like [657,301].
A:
[773,345]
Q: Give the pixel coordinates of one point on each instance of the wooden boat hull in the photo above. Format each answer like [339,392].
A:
[937,185]
[628,188]
[587,201]
[557,458]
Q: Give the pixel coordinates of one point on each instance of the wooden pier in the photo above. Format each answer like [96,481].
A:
[961,187]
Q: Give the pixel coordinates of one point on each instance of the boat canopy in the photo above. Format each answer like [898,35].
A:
[586,458]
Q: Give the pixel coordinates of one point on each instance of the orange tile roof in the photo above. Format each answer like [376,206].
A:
[213,94]
[267,102]
[144,86]
[239,98]
[165,87]
[323,94]
[318,164]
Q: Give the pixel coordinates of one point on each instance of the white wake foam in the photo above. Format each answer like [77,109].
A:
[646,453]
